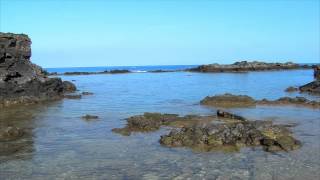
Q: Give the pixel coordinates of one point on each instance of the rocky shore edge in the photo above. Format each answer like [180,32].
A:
[21,81]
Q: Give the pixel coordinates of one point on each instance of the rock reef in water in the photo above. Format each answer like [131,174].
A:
[314,86]
[231,101]
[22,81]
[228,100]
[245,66]
[115,71]
[210,133]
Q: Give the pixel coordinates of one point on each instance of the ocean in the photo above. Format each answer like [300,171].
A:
[130,68]
[63,146]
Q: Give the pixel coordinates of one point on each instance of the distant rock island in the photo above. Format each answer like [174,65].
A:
[244,66]
[22,81]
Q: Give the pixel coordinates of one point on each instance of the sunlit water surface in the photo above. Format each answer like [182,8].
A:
[63,146]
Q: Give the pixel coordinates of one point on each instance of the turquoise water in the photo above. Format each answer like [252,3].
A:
[63,146]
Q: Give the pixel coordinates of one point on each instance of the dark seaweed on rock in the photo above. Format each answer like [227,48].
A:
[22,81]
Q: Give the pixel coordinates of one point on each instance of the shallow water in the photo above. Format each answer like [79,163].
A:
[63,146]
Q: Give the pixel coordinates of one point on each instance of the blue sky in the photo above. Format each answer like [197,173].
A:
[80,33]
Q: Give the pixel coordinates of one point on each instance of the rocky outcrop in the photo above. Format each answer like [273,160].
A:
[245,66]
[232,136]
[22,81]
[230,101]
[314,86]
[223,132]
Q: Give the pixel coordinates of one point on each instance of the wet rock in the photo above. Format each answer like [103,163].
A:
[90,117]
[232,136]
[69,87]
[20,80]
[312,87]
[291,89]
[10,133]
[228,100]
[86,93]
[72,96]
[228,115]
[244,66]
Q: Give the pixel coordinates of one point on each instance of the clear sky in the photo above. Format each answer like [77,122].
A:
[68,33]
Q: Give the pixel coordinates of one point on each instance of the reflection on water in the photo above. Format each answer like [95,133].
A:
[59,144]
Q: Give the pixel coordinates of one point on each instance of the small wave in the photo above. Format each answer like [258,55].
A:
[140,71]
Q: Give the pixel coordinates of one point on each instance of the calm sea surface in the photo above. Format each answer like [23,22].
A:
[63,146]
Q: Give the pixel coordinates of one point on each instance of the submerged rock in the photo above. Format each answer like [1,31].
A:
[10,133]
[291,89]
[87,93]
[90,117]
[73,96]
[20,80]
[229,100]
[245,66]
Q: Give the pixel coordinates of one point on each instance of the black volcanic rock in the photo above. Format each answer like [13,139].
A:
[22,81]
[245,66]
